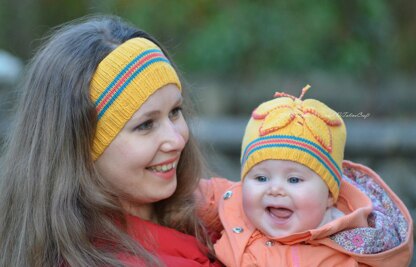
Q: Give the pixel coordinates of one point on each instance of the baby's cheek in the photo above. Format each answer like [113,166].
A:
[250,202]
[314,211]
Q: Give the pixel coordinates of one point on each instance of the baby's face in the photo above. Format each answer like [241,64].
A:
[283,197]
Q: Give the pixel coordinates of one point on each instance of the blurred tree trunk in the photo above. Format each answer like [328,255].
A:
[405,37]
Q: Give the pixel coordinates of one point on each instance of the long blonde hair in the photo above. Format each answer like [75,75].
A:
[54,205]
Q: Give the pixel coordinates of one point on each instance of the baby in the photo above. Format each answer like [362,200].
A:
[293,199]
[292,155]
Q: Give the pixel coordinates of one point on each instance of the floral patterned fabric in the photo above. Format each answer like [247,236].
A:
[387,225]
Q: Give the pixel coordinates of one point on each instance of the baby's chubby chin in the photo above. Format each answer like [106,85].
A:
[277,222]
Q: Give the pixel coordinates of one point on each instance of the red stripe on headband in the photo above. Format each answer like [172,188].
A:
[125,77]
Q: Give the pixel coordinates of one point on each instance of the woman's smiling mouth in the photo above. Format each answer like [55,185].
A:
[163,168]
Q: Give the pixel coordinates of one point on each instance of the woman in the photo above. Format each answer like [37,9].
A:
[100,167]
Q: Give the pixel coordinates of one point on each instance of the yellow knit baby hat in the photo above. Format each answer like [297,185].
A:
[304,131]
[123,81]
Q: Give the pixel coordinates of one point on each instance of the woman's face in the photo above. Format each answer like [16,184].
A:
[140,163]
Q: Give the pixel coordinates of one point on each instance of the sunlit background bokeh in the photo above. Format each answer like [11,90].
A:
[359,57]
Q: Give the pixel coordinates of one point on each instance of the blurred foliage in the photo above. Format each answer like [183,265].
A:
[227,37]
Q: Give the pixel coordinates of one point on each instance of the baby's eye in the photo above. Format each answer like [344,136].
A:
[147,125]
[294,180]
[261,178]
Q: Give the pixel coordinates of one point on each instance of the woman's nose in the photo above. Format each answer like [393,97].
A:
[173,137]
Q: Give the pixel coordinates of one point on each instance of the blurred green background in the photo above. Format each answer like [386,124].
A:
[244,37]
[359,57]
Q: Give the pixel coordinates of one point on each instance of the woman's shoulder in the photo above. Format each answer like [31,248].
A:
[172,247]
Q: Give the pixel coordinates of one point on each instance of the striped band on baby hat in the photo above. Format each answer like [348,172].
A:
[123,81]
[305,131]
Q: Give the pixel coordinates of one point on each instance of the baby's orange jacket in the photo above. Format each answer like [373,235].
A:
[376,230]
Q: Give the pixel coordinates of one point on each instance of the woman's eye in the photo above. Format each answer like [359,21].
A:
[147,125]
[294,180]
[175,113]
[261,178]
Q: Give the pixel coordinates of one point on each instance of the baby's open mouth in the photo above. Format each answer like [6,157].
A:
[280,213]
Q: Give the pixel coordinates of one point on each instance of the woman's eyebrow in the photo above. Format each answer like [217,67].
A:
[150,113]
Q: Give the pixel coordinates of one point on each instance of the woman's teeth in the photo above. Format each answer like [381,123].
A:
[163,168]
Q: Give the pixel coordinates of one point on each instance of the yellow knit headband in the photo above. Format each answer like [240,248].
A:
[122,83]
